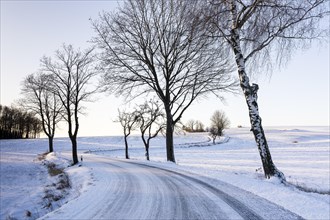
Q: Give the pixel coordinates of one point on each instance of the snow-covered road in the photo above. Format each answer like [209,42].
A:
[126,189]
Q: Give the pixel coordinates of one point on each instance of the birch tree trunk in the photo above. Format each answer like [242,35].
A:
[257,30]
[250,93]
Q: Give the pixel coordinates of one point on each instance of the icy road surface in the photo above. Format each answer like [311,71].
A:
[125,189]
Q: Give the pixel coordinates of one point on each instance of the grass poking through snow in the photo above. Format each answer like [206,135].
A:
[60,184]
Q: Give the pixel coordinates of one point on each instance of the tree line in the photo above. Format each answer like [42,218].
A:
[16,123]
[178,51]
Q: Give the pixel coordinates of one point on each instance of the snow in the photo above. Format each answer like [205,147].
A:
[302,153]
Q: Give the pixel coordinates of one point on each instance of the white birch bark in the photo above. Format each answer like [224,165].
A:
[250,93]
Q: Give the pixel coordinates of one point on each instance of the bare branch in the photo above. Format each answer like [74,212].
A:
[160,46]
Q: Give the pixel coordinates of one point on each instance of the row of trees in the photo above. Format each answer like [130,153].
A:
[181,50]
[17,123]
[148,118]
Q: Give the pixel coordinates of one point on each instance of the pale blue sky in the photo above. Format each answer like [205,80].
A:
[297,95]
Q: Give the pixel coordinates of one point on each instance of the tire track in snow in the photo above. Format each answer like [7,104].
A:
[189,201]
[172,198]
[235,204]
[267,209]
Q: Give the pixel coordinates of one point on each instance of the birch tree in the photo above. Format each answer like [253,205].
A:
[72,71]
[159,47]
[43,102]
[256,32]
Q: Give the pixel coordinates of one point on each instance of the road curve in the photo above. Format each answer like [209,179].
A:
[124,189]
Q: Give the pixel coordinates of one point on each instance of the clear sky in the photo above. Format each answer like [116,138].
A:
[296,95]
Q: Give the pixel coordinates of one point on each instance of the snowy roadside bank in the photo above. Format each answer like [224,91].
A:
[34,185]
[68,182]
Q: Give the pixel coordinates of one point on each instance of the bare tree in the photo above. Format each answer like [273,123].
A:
[159,46]
[219,122]
[256,32]
[190,125]
[199,126]
[43,102]
[150,121]
[128,121]
[73,72]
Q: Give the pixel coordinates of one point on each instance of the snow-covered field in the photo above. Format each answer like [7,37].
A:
[302,153]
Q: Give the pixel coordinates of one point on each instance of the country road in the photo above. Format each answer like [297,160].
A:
[126,189]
